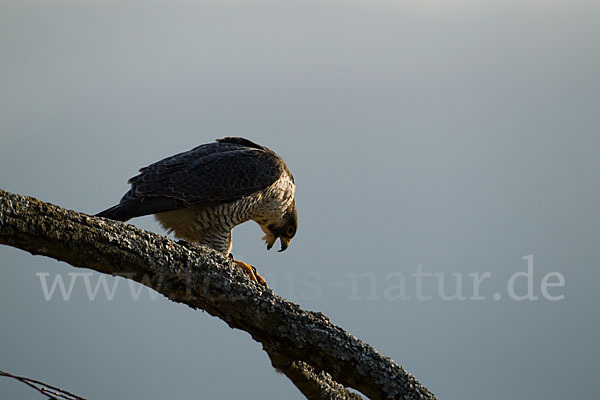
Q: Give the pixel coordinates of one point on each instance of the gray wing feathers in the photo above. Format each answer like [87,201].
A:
[220,172]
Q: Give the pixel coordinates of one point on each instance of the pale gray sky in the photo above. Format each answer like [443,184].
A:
[453,138]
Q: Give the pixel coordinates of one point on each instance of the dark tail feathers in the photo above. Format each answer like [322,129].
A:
[119,212]
[137,207]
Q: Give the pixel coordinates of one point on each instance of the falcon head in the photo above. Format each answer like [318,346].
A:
[283,228]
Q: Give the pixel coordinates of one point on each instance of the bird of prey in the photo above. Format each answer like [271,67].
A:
[202,194]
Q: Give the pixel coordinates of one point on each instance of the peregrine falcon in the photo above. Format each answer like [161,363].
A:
[202,194]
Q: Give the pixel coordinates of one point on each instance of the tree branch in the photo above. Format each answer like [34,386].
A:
[51,392]
[319,357]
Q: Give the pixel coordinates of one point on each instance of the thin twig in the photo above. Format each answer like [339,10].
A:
[47,390]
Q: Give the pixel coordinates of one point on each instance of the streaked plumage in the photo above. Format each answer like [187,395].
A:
[201,194]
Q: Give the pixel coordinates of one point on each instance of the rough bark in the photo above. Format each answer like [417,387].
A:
[320,358]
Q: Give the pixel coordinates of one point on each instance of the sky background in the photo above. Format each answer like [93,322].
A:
[450,137]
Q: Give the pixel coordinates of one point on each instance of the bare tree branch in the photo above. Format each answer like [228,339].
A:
[319,357]
[51,392]
[313,384]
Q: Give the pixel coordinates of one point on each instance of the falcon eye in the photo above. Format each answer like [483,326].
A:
[290,231]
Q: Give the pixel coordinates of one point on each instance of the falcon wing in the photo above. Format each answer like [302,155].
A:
[209,174]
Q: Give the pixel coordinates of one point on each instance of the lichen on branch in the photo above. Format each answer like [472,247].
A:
[320,358]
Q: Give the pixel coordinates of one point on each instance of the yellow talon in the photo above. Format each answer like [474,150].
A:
[250,270]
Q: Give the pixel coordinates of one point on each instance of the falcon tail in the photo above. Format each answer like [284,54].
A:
[118,213]
[138,207]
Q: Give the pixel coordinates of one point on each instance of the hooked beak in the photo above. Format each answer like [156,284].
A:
[284,244]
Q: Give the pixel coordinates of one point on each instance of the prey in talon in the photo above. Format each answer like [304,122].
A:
[202,194]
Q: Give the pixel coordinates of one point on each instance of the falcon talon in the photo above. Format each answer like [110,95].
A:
[202,194]
[259,279]
[251,272]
